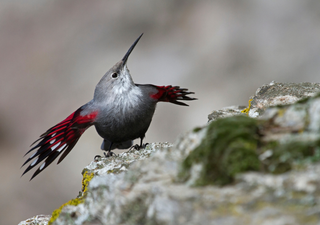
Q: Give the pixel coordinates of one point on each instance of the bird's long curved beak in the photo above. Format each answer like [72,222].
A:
[125,58]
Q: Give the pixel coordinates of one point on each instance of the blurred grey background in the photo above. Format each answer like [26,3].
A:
[53,53]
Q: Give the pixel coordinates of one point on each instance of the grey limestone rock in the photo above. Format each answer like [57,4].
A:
[226,112]
[268,95]
[36,220]
[280,94]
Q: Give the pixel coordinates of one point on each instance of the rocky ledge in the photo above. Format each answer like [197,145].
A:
[250,165]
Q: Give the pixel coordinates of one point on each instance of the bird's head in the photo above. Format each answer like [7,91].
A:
[118,79]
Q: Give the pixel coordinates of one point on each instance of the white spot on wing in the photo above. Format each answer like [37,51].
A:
[61,148]
[52,141]
[34,162]
[42,166]
[53,135]
[33,155]
[55,146]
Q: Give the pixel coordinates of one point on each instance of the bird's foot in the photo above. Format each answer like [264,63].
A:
[97,158]
[143,146]
[138,147]
[109,154]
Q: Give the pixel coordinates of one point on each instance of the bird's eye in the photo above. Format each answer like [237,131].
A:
[114,75]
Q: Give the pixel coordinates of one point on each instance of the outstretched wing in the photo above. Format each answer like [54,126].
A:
[60,138]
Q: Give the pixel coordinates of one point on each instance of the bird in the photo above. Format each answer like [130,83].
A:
[121,111]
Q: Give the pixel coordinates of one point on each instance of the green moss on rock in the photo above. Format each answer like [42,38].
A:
[228,148]
[197,129]
[236,144]
[135,212]
[285,156]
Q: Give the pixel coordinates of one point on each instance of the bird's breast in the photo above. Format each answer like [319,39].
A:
[126,117]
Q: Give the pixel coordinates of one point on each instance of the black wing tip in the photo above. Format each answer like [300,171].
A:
[26,170]
[179,103]
[28,160]
[183,92]
[35,174]
[47,161]
[23,174]
[190,99]
[187,98]
[39,170]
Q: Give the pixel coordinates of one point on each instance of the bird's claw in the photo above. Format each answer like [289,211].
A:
[143,146]
[138,147]
[109,154]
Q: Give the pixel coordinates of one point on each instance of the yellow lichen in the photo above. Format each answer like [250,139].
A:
[57,212]
[110,171]
[85,181]
[246,110]
[281,112]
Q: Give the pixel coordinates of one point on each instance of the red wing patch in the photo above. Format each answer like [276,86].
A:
[60,138]
[172,94]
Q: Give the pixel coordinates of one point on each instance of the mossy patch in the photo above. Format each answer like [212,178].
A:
[235,145]
[229,148]
[285,156]
[197,129]
[135,212]
[80,199]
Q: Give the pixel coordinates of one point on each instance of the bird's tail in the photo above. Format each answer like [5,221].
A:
[173,94]
[60,138]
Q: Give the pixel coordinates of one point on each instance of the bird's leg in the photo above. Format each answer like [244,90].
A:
[103,148]
[138,147]
[142,146]
[109,152]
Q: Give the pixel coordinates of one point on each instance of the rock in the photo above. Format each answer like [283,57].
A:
[36,220]
[235,170]
[269,95]
[226,112]
[280,94]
